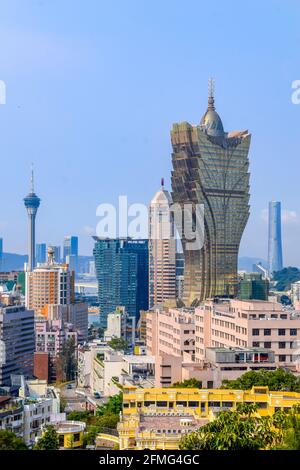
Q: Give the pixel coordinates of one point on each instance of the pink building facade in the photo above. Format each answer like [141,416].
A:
[247,324]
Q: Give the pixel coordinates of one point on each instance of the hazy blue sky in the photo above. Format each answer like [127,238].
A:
[94,86]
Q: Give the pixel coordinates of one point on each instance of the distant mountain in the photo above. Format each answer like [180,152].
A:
[246,263]
[13,262]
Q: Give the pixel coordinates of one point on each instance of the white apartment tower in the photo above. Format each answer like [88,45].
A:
[162,249]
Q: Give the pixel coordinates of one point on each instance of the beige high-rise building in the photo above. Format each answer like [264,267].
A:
[49,284]
[162,249]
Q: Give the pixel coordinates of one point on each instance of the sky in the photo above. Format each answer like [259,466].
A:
[93,88]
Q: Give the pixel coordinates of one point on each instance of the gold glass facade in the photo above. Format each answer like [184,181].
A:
[210,167]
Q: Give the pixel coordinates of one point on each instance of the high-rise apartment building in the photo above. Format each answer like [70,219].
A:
[32,203]
[162,249]
[122,275]
[16,342]
[275,243]
[49,283]
[211,173]
[40,254]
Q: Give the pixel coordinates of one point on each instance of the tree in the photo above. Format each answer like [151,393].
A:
[118,344]
[114,405]
[188,383]
[242,429]
[49,440]
[66,361]
[290,430]
[285,277]
[9,441]
[276,380]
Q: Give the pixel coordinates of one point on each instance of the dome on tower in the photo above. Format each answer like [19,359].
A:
[211,121]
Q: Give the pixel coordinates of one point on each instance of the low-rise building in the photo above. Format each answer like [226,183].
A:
[157,418]
[120,325]
[247,324]
[11,415]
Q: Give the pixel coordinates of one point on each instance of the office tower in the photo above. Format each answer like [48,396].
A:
[70,246]
[210,173]
[56,253]
[1,254]
[31,202]
[253,287]
[179,275]
[122,275]
[49,283]
[16,342]
[162,249]
[275,244]
[40,255]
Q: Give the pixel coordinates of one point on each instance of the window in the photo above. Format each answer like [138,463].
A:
[267,344]
[293,331]
[77,437]
[61,441]
[181,403]
[161,403]
[255,344]
[255,332]
[282,358]
[214,404]
[267,332]
[281,332]
[193,404]
[281,345]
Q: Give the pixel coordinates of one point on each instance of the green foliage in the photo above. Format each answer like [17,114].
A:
[66,361]
[285,277]
[234,430]
[118,344]
[276,380]
[85,416]
[114,405]
[290,430]
[188,383]
[106,417]
[9,441]
[49,440]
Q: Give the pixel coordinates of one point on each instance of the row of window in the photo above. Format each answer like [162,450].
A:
[268,331]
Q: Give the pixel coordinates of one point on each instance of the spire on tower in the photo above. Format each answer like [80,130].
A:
[32,180]
[211,93]
[162,182]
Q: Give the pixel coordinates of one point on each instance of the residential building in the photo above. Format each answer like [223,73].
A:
[170,331]
[122,275]
[120,325]
[162,249]
[16,342]
[49,283]
[70,247]
[295,292]
[247,324]
[11,415]
[211,174]
[275,243]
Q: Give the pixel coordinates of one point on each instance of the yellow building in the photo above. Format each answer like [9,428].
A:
[70,434]
[157,418]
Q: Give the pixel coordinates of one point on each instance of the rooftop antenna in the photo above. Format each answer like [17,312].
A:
[32,180]
[211,93]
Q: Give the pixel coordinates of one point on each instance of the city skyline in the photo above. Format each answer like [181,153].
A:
[72,94]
